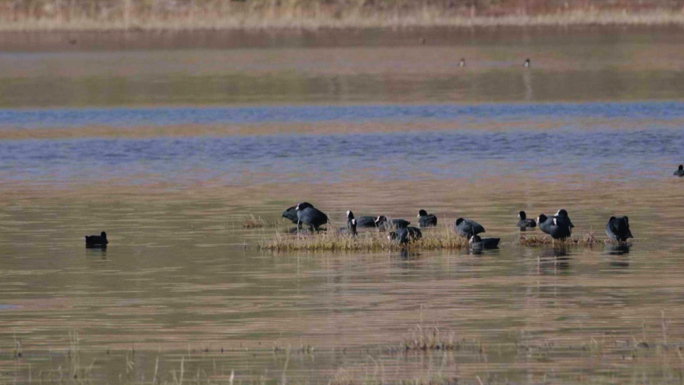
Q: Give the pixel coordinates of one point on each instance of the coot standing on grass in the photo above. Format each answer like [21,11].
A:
[351,226]
[551,226]
[425,219]
[617,229]
[468,227]
[680,171]
[524,222]
[291,214]
[405,235]
[365,221]
[563,218]
[96,240]
[310,216]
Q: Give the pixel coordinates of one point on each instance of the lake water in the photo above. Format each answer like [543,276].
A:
[170,147]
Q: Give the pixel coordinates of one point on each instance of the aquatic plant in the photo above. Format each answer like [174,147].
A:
[253,222]
[587,240]
[429,339]
[332,240]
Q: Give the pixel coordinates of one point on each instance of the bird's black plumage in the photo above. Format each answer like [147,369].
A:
[96,240]
[468,227]
[563,218]
[680,171]
[551,226]
[404,235]
[400,223]
[477,243]
[310,216]
[425,219]
[365,221]
[524,222]
[291,214]
[617,229]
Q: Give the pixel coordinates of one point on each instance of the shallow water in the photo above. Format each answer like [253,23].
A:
[184,288]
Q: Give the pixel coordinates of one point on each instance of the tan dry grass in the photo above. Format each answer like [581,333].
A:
[253,222]
[311,15]
[587,240]
[435,239]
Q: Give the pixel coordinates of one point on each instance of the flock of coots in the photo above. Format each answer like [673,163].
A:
[558,226]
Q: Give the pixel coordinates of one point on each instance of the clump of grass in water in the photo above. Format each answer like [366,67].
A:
[588,240]
[441,239]
[253,222]
[424,339]
[429,339]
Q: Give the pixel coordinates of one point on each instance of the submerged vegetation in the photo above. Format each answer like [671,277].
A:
[312,14]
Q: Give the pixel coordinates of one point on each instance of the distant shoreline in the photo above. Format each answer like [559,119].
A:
[274,18]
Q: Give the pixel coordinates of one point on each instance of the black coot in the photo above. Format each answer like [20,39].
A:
[563,218]
[365,221]
[524,222]
[405,235]
[351,226]
[617,229]
[551,226]
[468,227]
[96,240]
[291,214]
[680,171]
[477,243]
[425,219]
[310,216]
[400,223]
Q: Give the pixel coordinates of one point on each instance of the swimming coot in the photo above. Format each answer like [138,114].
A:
[425,219]
[96,240]
[617,229]
[310,216]
[477,243]
[405,235]
[680,171]
[524,222]
[551,226]
[468,227]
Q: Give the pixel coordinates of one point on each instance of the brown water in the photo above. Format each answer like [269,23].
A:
[183,290]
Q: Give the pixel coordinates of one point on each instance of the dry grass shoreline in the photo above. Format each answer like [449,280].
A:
[133,15]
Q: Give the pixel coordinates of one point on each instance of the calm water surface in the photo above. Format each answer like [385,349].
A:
[170,151]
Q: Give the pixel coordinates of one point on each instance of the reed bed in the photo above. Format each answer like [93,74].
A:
[433,239]
[26,15]
[587,240]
